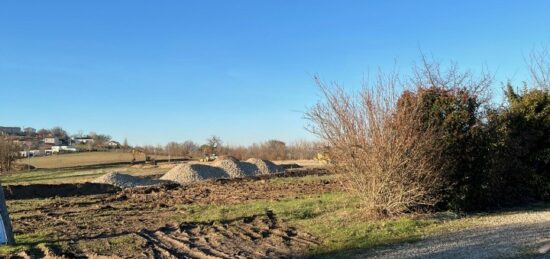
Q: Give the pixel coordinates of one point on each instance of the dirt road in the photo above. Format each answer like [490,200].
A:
[515,235]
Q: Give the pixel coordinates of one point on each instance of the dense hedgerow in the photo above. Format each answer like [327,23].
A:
[486,156]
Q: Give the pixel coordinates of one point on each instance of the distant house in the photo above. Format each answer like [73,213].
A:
[31,153]
[52,141]
[10,130]
[113,144]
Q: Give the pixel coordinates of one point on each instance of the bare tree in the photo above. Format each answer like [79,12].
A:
[9,152]
[59,133]
[125,145]
[538,63]
[214,143]
[42,133]
[430,73]
[384,159]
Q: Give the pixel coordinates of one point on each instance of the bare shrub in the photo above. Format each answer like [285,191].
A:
[538,64]
[9,152]
[386,160]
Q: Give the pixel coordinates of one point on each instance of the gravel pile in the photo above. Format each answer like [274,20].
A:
[235,168]
[125,180]
[188,173]
[265,166]
[223,168]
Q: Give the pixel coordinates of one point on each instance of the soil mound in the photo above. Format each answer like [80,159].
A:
[265,166]
[188,173]
[226,157]
[125,180]
[236,169]
[33,191]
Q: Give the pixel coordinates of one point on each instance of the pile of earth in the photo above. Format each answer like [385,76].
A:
[235,168]
[127,181]
[265,167]
[223,168]
[188,173]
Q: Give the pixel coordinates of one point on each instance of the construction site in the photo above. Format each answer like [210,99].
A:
[186,211]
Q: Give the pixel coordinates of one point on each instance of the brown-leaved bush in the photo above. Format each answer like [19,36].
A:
[377,145]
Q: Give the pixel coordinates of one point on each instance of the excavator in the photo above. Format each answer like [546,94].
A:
[323,155]
[140,152]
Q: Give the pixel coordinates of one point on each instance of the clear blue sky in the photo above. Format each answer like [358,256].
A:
[155,71]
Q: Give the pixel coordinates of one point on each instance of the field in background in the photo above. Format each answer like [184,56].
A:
[60,175]
[57,169]
[83,159]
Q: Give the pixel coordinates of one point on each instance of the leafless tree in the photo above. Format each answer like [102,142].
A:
[384,159]
[125,145]
[538,63]
[9,152]
[214,143]
[430,73]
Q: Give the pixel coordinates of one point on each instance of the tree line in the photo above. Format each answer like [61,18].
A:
[271,149]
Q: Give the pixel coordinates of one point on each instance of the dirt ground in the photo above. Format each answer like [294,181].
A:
[150,220]
[257,236]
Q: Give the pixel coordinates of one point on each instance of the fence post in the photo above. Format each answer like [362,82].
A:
[6,221]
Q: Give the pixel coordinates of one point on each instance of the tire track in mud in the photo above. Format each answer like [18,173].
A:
[259,236]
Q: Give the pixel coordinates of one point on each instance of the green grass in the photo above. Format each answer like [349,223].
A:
[26,242]
[333,217]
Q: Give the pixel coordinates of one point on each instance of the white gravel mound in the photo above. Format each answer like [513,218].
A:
[125,180]
[234,168]
[265,166]
[188,173]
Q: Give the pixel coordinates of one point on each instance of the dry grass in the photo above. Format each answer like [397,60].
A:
[82,159]
[71,175]
[302,162]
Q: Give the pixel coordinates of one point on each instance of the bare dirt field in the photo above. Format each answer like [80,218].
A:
[155,222]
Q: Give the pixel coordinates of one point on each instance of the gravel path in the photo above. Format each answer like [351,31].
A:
[515,235]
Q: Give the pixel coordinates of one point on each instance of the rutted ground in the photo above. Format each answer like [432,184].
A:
[251,237]
[154,221]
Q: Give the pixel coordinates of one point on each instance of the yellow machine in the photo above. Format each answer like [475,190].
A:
[323,157]
[209,158]
[138,152]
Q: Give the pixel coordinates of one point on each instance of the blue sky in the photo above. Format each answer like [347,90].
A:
[155,71]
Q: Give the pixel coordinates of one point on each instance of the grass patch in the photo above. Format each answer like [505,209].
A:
[26,242]
[333,217]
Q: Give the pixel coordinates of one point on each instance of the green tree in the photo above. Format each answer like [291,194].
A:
[521,147]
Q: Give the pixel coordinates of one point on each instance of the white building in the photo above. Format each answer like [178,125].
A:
[52,141]
[30,153]
[113,144]
[59,149]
